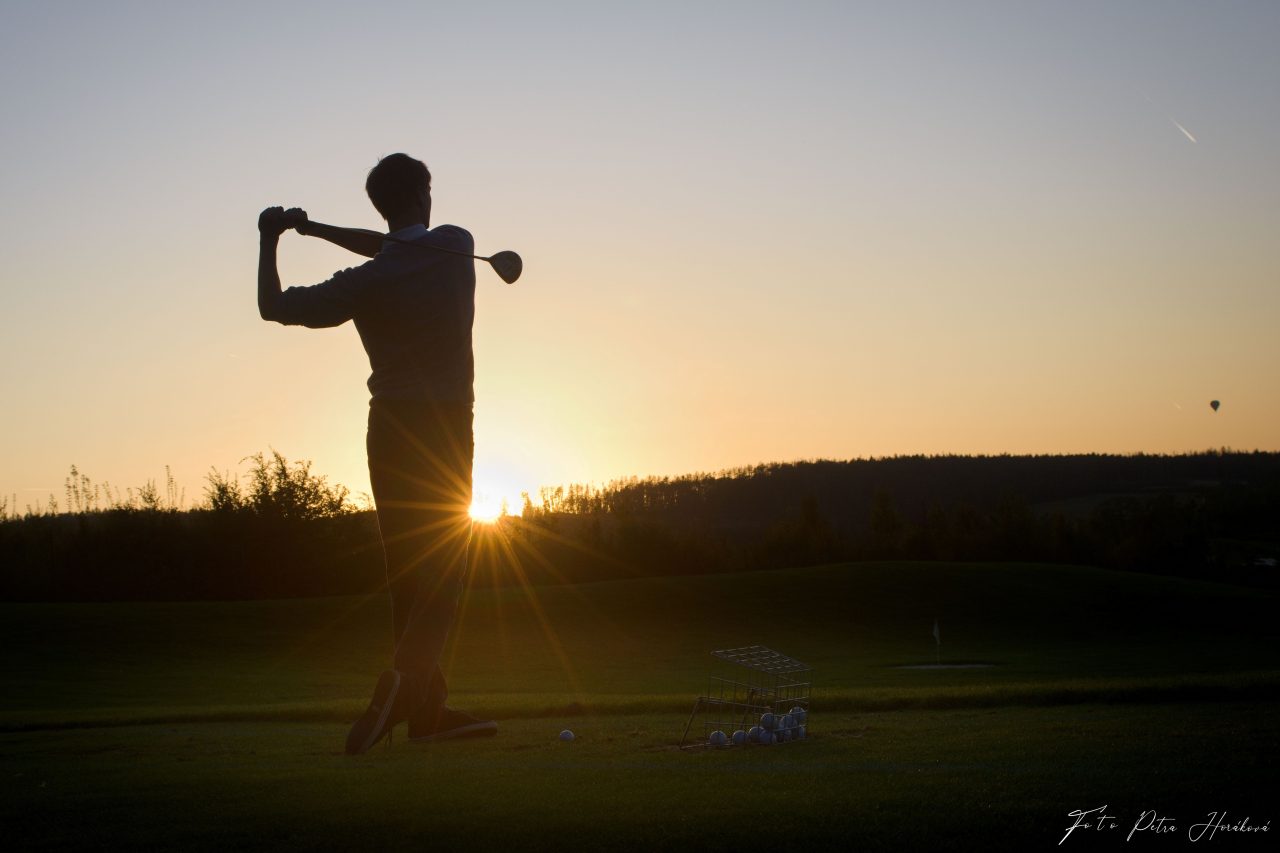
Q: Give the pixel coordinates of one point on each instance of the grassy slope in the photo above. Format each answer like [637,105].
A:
[1057,634]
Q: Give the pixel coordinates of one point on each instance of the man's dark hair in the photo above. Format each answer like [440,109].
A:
[396,183]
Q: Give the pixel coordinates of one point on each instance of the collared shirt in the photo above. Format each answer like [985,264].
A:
[413,308]
[409,232]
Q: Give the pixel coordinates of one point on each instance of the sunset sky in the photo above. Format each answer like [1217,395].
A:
[751,231]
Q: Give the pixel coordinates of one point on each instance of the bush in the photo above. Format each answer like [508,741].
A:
[278,491]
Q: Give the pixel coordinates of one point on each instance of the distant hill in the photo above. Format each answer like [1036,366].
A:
[846,490]
[1212,514]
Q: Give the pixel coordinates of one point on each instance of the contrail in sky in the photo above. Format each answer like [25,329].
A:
[1176,124]
[1185,132]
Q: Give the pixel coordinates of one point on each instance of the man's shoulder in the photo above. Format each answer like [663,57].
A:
[397,260]
[453,236]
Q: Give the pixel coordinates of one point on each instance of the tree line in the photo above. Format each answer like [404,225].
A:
[283,531]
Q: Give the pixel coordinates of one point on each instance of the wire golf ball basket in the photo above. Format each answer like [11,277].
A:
[755,696]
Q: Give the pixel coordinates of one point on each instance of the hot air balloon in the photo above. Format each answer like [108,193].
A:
[1214,404]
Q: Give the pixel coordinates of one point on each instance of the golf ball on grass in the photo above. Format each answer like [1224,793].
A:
[753,736]
[718,738]
[800,714]
[566,735]
[739,737]
[768,722]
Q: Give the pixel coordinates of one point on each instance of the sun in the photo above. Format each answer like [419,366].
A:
[487,509]
[493,496]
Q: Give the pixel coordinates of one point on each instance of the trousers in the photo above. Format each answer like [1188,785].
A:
[420,456]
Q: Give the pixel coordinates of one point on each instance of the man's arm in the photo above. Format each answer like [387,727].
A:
[320,306]
[271,224]
[358,240]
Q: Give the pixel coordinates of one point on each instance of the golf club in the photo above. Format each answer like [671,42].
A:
[507,265]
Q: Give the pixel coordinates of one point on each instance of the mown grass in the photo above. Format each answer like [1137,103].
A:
[974,779]
[220,724]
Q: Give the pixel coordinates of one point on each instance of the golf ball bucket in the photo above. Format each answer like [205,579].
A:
[754,690]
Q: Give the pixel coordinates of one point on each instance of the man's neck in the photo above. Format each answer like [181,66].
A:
[400,223]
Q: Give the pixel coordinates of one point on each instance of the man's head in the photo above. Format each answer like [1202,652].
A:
[400,188]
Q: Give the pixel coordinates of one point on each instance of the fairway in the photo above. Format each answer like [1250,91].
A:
[220,725]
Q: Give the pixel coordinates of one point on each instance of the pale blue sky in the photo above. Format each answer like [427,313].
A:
[752,231]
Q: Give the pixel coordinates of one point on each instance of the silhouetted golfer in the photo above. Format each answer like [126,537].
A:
[413,310]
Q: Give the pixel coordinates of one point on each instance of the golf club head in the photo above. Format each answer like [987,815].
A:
[507,265]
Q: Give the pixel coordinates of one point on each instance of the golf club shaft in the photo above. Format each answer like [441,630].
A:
[398,240]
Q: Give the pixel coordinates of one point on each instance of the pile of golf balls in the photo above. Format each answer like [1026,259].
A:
[772,728]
